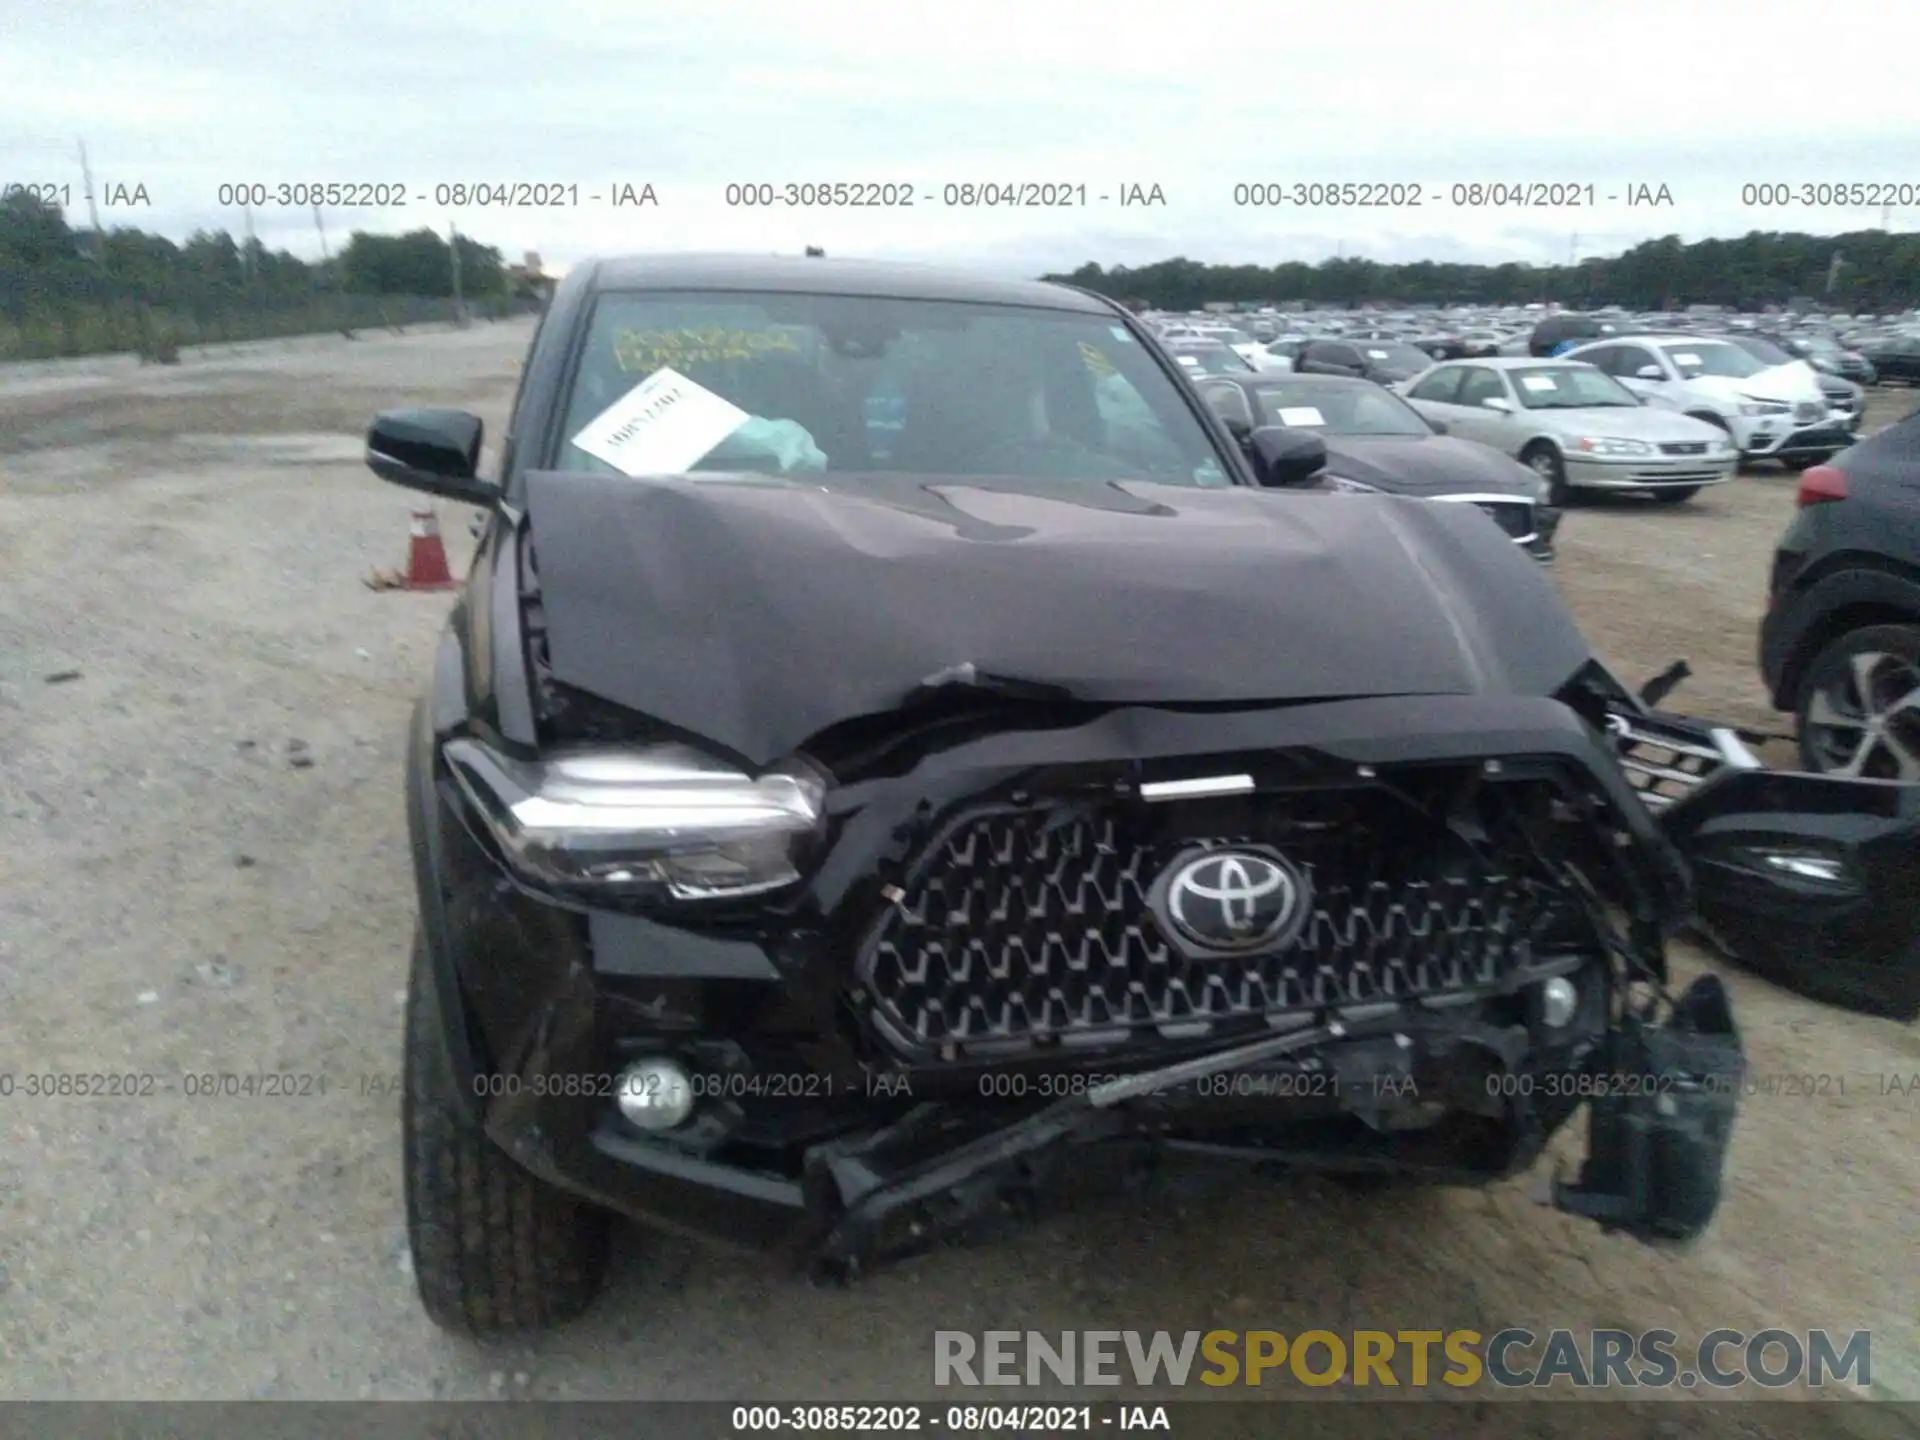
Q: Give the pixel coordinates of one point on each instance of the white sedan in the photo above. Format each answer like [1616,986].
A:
[1576,426]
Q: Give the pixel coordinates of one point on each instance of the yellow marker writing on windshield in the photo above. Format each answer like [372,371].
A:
[649,350]
[1096,359]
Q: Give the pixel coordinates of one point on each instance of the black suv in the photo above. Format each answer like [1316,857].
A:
[893,749]
[1386,362]
[1840,643]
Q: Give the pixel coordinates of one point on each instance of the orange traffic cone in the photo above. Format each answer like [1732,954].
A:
[427,567]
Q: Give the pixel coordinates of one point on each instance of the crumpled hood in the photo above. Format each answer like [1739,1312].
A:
[1430,465]
[1792,383]
[756,613]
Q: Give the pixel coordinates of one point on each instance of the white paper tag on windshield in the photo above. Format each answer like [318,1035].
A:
[1189,362]
[1537,382]
[1688,359]
[1301,415]
[1376,354]
[662,426]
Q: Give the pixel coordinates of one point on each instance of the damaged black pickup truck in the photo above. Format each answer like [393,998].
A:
[894,745]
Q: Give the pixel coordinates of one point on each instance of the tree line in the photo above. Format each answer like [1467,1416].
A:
[72,292]
[1866,271]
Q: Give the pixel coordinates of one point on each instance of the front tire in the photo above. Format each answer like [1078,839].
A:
[1858,710]
[495,1249]
[1545,461]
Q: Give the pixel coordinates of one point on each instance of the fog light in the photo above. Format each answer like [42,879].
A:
[1557,1001]
[655,1094]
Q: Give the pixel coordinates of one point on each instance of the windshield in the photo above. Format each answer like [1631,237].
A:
[1206,357]
[1693,358]
[1389,355]
[1569,387]
[1818,344]
[1339,408]
[1765,351]
[836,385]
[1227,335]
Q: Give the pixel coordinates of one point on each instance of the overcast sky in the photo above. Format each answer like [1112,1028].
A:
[1702,97]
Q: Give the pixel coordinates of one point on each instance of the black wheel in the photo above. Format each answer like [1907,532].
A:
[495,1250]
[1859,705]
[1675,494]
[1797,463]
[1544,461]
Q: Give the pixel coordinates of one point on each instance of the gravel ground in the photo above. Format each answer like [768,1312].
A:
[202,867]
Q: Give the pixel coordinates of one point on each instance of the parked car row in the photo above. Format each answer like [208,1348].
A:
[1575,426]
[1372,441]
[1863,349]
[1518,426]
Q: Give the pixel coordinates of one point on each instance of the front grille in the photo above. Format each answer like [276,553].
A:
[1028,928]
[1666,763]
[1678,477]
[1685,447]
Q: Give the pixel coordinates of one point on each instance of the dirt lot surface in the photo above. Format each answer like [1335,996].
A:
[203,868]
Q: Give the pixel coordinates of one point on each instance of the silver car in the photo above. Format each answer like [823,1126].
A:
[1579,428]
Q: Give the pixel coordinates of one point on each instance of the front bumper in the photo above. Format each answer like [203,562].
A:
[810,1139]
[888,1172]
[1786,437]
[1829,437]
[1649,472]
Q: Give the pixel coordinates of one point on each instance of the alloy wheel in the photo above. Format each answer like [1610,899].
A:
[1866,720]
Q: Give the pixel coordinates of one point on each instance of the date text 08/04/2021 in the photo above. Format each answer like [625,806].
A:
[949,1419]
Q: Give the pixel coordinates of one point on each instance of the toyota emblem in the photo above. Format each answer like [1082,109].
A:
[1232,900]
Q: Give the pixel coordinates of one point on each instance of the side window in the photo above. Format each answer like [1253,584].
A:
[1480,384]
[1229,402]
[1439,386]
[1632,358]
[1606,358]
[1128,427]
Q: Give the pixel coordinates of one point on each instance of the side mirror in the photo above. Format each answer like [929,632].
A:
[1439,427]
[1649,372]
[433,450]
[1499,403]
[1283,457]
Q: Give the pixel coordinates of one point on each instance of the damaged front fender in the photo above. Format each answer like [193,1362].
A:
[1810,880]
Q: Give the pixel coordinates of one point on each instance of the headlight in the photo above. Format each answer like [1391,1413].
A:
[1763,407]
[1606,445]
[1351,487]
[665,819]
